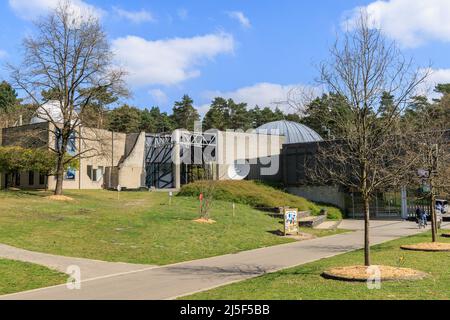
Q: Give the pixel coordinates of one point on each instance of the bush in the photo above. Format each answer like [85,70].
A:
[258,195]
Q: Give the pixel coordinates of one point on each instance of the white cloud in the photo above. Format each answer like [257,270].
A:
[411,23]
[170,61]
[3,54]
[437,76]
[267,95]
[135,16]
[32,9]
[158,95]
[240,16]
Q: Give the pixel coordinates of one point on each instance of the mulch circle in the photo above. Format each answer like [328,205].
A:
[428,247]
[362,273]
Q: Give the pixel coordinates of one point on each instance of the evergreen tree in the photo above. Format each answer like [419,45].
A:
[323,113]
[155,121]
[10,108]
[218,115]
[184,114]
[124,119]
[239,117]
[8,97]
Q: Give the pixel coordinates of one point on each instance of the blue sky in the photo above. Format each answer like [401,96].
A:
[251,50]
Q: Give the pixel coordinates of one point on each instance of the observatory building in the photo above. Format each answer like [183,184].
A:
[293,132]
[161,161]
[149,160]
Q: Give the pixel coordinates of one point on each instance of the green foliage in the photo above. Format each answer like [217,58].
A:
[184,114]
[421,109]
[94,113]
[8,97]
[155,121]
[257,195]
[218,116]
[262,116]
[125,119]
[322,114]
[226,114]
[16,159]
[443,88]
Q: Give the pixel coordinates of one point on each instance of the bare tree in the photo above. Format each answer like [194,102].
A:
[365,68]
[67,62]
[432,141]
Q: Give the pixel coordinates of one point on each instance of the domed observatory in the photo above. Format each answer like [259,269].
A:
[293,132]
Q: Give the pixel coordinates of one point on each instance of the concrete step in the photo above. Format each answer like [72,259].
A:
[312,221]
[328,225]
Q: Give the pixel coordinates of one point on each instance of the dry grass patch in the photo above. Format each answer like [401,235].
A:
[59,198]
[428,246]
[362,273]
[205,221]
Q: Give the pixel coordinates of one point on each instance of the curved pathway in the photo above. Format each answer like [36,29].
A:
[171,281]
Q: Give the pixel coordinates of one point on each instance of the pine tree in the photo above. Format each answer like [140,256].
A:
[184,114]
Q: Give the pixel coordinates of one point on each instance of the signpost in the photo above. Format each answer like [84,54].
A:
[119,188]
[200,198]
[290,221]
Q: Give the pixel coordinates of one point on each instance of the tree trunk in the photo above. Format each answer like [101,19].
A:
[366,231]
[433,212]
[59,177]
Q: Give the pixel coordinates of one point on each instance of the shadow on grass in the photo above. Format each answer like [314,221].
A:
[243,270]
[25,193]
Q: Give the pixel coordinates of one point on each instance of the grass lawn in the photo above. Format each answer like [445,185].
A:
[257,194]
[305,282]
[18,276]
[139,228]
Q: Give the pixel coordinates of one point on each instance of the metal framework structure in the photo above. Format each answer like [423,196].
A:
[159,163]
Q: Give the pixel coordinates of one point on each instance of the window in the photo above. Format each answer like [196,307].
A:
[41,179]
[89,172]
[17,179]
[100,172]
[70,174]
[31,178]
[71,148]
[95,174]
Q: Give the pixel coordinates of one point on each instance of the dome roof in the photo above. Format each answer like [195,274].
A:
[294,132]
[50,111]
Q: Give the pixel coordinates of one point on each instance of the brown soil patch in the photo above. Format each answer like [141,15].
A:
[428,246]
[301,236]
[59,198]
[360,273]
[205,221]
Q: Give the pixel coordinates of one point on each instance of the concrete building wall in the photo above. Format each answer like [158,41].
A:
[99,149]
[235,146]
[102,152]
[27,136]
[132,170]
[323,194]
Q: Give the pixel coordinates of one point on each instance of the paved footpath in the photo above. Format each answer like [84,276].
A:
[171,281]
[89,268]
